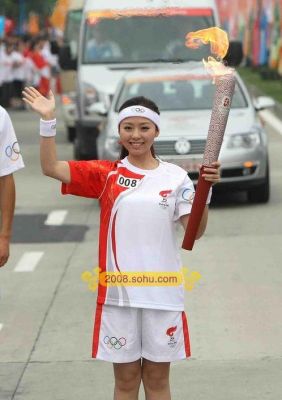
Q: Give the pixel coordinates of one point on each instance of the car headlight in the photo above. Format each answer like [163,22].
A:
[112,145]
[68,98]
[244,140]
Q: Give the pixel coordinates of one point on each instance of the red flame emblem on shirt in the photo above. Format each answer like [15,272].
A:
[165,193]
[171,330]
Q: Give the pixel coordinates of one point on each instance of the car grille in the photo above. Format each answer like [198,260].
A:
[235,172]
[166,147]
[227,173]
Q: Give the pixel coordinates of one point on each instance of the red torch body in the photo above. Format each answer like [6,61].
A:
[225,86]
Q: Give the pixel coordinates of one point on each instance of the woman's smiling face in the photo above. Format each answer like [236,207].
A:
[137,135]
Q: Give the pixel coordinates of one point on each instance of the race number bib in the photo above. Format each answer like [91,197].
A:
[127,182]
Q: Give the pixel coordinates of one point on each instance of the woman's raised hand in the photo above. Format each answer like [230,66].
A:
[45,106]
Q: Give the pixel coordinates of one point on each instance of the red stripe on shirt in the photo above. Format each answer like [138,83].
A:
[97,328]
[110,195]
[114,241]
[106,203]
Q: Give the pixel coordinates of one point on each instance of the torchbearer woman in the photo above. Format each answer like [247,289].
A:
[140,329]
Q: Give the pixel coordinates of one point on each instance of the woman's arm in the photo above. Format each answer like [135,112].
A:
[48,155]
[49,164]
[7,207]
[203,224]
[213,176]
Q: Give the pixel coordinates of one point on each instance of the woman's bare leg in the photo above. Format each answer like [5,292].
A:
[155,377]
[127,380]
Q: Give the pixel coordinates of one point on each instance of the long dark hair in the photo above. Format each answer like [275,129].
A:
[139,101]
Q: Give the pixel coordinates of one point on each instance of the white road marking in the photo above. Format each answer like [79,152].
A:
[56,217]
[271,119]
[1,326]
[29,261]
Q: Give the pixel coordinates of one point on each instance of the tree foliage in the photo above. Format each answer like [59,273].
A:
[10,8]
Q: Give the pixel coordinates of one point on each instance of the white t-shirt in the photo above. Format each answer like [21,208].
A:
[52,59]
[10,157]
[139,210]
[32,77]
[18,72]
[6,66]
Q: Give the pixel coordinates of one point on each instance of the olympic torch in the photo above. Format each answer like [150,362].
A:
[224,80]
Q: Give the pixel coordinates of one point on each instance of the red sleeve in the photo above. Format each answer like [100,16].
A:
[88,178]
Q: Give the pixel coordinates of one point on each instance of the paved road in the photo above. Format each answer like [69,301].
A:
[46,315]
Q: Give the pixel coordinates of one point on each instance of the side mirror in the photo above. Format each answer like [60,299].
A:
[98,108]
[263,102]
[235,54]
[65,60]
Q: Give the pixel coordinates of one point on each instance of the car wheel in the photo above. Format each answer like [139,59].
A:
[261,193]
[71,134]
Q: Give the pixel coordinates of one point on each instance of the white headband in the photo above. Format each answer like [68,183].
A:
[139,111]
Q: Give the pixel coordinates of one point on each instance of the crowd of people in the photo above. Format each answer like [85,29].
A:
[25,61]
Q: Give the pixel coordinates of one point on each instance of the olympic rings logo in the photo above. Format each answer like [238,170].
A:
[114,342]
[186,197]
[138,109]
[13,152]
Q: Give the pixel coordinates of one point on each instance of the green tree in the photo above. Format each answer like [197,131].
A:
[10,8]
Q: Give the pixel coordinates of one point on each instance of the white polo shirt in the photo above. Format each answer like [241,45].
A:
[6,64]
[10,156]
[139,211]
[18,72]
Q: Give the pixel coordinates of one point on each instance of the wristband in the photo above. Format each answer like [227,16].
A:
[209,196]
[47,128]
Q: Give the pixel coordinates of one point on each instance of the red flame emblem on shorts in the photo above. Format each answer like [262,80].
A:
[171,330]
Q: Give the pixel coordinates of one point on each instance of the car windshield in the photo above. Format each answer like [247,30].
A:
[139,39]
[177,94]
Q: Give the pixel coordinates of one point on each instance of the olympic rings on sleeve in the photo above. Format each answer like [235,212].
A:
[13,152]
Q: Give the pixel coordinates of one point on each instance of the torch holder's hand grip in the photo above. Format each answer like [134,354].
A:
[197,211]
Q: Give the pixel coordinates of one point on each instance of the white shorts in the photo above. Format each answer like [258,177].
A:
[125,334]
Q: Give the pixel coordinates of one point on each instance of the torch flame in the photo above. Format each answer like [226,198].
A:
[219,43]
[215,36]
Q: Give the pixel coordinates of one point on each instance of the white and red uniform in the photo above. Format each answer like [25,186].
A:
[139,209]
[10,156]
[42,68]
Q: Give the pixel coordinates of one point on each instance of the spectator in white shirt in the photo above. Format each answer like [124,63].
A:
[7,74]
